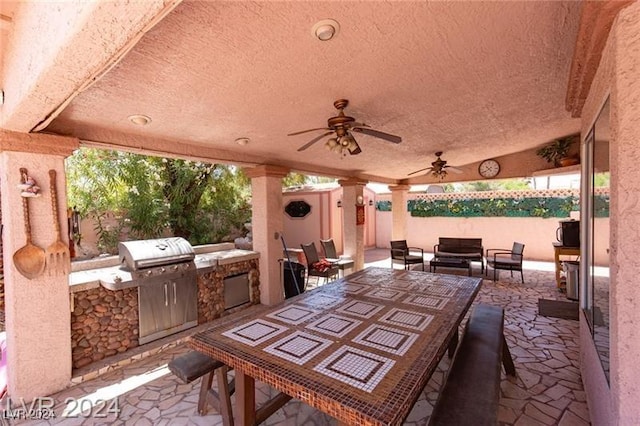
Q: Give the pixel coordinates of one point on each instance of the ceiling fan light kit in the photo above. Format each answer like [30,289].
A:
[341,126]
[439,174]
[344,145]
[438,167]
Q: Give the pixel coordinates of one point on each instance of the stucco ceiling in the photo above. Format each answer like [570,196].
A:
[7,10]
[473,79]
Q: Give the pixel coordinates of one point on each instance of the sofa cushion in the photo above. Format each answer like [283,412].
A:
[465,255]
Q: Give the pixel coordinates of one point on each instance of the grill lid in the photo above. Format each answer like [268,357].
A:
[148,253]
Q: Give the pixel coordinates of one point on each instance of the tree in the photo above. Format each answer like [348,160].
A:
[294,179]
[147,196]
[183,185]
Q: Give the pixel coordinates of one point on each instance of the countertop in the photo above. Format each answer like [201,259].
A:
[88,274]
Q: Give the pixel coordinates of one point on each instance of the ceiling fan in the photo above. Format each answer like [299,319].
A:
[438,168]
[342,125]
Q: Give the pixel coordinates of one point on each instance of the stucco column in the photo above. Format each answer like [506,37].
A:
[353,233]
[625,217]
[267,224]
[37,310]
[399,198]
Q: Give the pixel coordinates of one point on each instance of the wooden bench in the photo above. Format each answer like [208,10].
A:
[194,364]
[471,392]
[460,248]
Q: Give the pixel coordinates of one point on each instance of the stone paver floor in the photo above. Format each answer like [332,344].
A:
[547,390]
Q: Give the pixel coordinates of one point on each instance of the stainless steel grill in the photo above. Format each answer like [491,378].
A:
[165,273]
[144,254]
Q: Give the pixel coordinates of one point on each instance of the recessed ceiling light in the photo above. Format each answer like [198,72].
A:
[140,120]
[242,141]
[325,30]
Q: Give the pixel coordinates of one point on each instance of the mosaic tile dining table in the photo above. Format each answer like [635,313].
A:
[360,349]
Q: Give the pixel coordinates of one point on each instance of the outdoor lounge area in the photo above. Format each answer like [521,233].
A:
[547,389]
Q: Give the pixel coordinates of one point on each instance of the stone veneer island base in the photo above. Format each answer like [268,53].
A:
[105,322]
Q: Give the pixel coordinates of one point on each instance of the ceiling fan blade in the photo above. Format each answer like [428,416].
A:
[377,134]
[314,140]
[453,169]
[421,170]
[306,131]
[356,150]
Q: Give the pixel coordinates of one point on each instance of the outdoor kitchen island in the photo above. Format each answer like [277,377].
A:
[108,310]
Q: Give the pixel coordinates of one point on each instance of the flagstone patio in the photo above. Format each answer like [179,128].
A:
[547,390]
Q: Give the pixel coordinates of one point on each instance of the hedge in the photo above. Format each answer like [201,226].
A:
[500,207]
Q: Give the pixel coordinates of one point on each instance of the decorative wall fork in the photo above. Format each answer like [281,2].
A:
[58,258]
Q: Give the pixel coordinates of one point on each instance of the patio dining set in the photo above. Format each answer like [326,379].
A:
[359,348]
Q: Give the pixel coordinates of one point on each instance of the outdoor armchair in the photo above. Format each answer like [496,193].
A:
[400,252]
[505,259]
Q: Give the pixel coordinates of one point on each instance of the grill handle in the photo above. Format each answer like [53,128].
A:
[175,294]
[166,295]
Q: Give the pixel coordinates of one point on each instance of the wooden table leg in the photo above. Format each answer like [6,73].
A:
[245,399]
[453,344]
[557,261]
[562,251]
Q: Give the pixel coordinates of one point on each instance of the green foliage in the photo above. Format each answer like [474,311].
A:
[494,207]
[383,206]
[601,206]
[601,180]
[201,202]
[503,207]
[225,205]
[296,179]
[556,150]
[293,179]
[500,207]
[108,235]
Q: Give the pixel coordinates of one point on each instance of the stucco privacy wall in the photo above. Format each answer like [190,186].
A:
[537,234]
[37,310]
[618,75]
[496,232]
[326,218]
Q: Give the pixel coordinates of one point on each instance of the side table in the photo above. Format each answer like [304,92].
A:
[560,250]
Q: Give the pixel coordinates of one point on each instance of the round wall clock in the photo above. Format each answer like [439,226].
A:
[489,168]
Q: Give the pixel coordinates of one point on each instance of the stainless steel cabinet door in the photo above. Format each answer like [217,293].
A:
[154,302]
[184,302]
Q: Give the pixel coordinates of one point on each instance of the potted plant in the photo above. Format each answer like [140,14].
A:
[557,152]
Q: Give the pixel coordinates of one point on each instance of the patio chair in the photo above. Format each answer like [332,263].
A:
[330,252]
[315,266]
[329,248]
[505,259]
[400,252]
